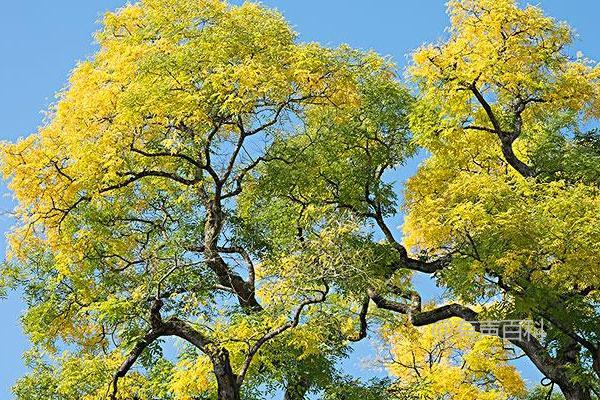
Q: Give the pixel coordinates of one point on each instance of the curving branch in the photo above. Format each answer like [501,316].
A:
[414,264]
[555,368]
[135,176]
[159,328]
[182,156]
[362,317]
[279,330]
[421,318]
[506,138]
[131,177]
[134,354]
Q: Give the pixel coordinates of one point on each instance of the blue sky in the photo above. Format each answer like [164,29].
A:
[41,40]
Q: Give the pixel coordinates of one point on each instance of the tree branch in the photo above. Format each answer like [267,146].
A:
[275,332]
[506,139]
[171,327]
[362,317]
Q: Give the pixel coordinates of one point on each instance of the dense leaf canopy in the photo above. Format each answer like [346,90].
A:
[208,177]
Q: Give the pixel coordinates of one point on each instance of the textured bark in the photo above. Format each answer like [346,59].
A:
[227,386]
[576,393]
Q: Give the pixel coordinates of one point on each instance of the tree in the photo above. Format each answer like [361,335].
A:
[511,183]
[206,176]
[505,206]
[131,222]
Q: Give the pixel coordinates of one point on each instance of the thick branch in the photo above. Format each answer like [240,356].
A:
[550,367]
[138,349]
[171,327]
[247,260]
[244,290]
[487,108]
[405,261]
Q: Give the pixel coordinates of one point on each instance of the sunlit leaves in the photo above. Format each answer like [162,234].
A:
[504,79]
[450,360]
[151,142]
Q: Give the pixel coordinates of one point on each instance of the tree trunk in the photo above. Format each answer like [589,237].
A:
[576,393]
[227,389]
[227,386]
[555,369]
[596,363]
[568,354]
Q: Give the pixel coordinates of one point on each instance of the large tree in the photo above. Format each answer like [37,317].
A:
[130,223]
[206,176]
[512,183]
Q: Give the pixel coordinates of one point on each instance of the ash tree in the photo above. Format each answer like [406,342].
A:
[132,210]
[205,176]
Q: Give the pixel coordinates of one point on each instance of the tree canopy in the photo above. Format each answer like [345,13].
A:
[206,176]
[511,187]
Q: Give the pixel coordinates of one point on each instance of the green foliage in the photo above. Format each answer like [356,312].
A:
[346,388]
[207,176]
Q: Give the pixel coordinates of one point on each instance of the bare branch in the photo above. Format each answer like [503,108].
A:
[362,316]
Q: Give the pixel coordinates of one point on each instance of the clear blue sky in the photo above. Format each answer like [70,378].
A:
[41,40]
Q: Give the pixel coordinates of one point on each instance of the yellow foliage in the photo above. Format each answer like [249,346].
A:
[466,198]
[450,360]
[192,378]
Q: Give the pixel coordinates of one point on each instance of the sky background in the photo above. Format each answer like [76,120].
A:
[41,41]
